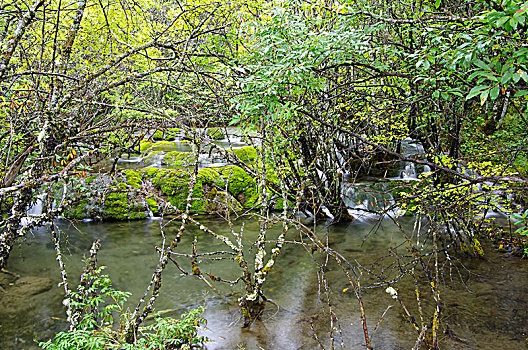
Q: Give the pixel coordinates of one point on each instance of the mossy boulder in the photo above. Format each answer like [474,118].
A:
[145,145]
[152,205]
[116,206]
[166,146]
[117,198]
[240,185]
[170,134]
[178,159]
[133,178]
[219,202]
[167,135]
[173,184]
[132,194]
[245,154]
[158,135]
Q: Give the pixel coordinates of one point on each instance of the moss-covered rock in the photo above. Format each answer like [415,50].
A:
[167,134]
[133,194]
[174,185]
[158,135]
[123,206]
[240,185]
[245,154]
[153,205]
[78,210]
[220,202]
[133,178]
[145,145]
[178,159]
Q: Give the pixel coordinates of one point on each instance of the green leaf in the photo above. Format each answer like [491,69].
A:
[502,20]
[494,93]
[506,78]
[477,73]
[437,3]
[475,91]
[523,75]
[484,97]
[479,63]
[521,93]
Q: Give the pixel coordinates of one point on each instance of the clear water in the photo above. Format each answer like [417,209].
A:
[484,309]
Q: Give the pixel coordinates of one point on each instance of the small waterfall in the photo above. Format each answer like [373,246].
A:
[367,200]
[36,208]
[412,149]
[150,214]
[154,159]
[409,173]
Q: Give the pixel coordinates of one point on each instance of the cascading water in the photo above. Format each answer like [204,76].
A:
[367,200]
[36,208]
[412,149]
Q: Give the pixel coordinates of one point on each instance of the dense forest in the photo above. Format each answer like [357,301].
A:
[276,112]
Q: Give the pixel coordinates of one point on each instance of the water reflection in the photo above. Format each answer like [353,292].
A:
[484,309]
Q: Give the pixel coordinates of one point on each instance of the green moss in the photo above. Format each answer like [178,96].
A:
[173,184]
[245,154]
[215,133]
[251,197]
[178,159]
[133,178]
[153,205]
[477,248]
[158,135]
[280,204]
[241,185]
[210,176]
[167,135]
[145,146]
[89,179]
[78,211]
[120,206]
[116,206]
[217,200]
[166,146]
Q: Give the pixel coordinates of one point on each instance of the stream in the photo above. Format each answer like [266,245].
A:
[484,300]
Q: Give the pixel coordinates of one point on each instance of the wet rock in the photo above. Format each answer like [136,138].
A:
[220,202]
[17,293]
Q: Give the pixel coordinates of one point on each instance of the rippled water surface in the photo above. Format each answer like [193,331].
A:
[486,308]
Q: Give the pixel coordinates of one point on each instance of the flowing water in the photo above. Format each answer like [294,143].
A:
[486,308]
